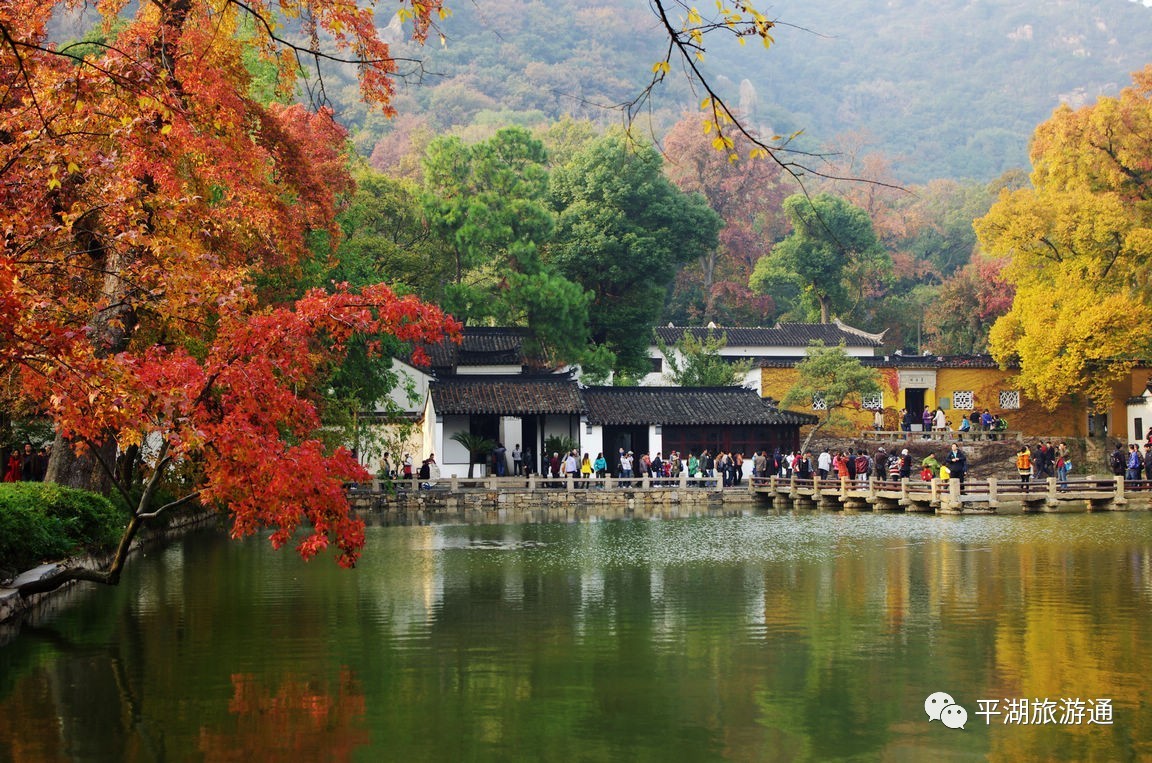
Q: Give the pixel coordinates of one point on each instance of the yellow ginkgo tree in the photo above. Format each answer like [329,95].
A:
[1080,243]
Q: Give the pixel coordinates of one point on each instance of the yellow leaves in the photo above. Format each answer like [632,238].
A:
[722,143]
[1081,246]
[661,67]
[1071,340]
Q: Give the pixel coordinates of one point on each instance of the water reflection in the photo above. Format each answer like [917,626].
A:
[808,636]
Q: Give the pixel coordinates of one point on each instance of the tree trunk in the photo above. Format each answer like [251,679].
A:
[708,265]
[811,433]
[110,330]
[81,469]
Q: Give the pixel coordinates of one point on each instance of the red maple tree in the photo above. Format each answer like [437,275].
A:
[145,193]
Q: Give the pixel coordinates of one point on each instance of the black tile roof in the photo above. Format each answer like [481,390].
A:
[685,406]
[507,395]
[894,361]
[480,346]
[780,335]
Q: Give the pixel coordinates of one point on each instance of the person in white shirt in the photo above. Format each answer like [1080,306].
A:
[571,465]
[824,463]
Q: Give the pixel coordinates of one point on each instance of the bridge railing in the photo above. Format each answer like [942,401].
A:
[989,490]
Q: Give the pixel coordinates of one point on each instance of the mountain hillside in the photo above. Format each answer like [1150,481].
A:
[947,89]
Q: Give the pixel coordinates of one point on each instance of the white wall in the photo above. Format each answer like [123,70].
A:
[591,440]
[661,380]
[399,394]
[1142,411]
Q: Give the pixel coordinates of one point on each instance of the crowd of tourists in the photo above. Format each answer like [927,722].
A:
[937,421]
[860,465]
[1042,461]
[27,465]
[1135,464]
[1033,464]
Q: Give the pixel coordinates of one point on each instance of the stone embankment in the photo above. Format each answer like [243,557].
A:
[13,605]
[520,505]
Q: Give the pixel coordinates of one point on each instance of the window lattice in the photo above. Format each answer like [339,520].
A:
[963,401]
[873,402]
[819,403]
[1009,399]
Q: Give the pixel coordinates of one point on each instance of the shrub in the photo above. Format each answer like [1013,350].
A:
[44,522]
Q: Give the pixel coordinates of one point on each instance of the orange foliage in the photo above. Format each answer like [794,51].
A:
[144,192]
[301,720]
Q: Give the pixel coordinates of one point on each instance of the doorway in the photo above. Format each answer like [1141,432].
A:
[914,402]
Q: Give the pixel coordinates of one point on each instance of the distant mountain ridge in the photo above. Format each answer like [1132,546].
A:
[949,89]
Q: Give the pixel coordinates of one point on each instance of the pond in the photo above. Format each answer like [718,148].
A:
[807,636]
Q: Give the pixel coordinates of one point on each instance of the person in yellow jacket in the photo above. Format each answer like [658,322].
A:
[586,470]
[1024,466]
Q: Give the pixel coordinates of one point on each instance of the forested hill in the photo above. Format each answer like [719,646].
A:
[951,88]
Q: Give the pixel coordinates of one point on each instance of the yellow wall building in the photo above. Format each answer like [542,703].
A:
[961,385]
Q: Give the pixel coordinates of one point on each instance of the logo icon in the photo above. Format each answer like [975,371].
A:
[941,707]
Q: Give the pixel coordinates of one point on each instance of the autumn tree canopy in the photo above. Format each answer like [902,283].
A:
[147,199]
[1080,243]
[748,196]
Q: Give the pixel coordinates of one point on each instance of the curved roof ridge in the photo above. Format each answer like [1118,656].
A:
[879,338]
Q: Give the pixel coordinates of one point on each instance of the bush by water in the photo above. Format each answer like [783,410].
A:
[41,521]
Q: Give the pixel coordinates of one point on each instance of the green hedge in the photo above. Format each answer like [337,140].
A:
[46,522]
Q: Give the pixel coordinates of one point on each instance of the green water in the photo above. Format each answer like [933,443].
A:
[767,637]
